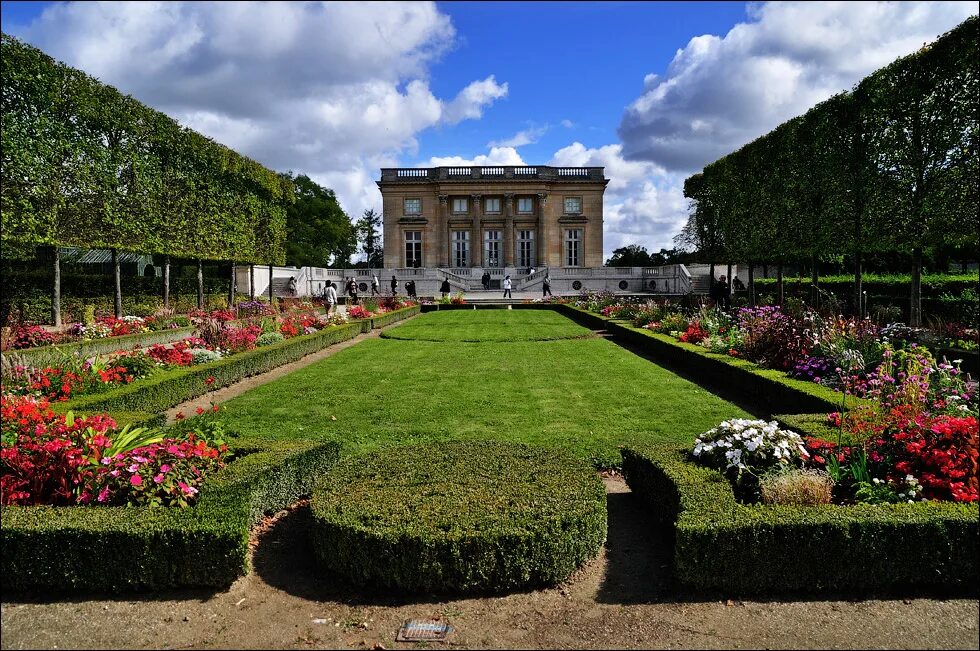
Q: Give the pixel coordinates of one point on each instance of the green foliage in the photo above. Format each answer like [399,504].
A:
[124,549]
[369,231]
[84,165]
[459,517]
[319,232]
[720,544]
[891,166]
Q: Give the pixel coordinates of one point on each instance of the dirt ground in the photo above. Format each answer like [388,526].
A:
[620,600]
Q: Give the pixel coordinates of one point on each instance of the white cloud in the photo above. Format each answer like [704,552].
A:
[568,124]
[721,92]
[326,89]
[526,137]
[497,156]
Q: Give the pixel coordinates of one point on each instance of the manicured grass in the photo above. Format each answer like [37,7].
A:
[586,395]
[487,326]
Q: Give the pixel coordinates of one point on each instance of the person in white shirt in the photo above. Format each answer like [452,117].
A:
[507,287]
[375,286]
[331,297]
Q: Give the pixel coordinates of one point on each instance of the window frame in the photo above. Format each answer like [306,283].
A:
[405,209]
[486,205]
[565,201]
[573,245]
[466,205]
[416,246]
[530,210]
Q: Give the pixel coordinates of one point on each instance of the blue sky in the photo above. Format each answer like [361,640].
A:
[650,91]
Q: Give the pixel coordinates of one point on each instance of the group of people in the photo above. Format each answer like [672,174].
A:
[721,292]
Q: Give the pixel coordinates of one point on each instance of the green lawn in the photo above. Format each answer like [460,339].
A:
[489,325]
[587,395]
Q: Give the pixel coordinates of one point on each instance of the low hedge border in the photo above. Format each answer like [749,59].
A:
[52,355]
[721,544]
[124,549]
[164,390]
[761,386]
[456,517]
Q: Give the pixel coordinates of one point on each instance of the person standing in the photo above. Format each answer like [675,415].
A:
[507,293]
[444,288]
[394,286]
[330,296]
[292,285]
[375,285]
[546,286]
[485,279]
[352,291]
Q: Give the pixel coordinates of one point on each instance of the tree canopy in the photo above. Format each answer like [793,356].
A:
[319,232]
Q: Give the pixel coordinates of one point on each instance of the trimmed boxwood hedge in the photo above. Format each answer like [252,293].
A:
[122,549]
[459,517]
[394,316]
[721,544]
[761,386]
[52,355]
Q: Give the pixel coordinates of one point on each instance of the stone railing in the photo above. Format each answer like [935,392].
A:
[492,172]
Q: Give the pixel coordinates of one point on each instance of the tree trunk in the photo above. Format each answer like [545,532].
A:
[729,279]
[858,287]
[271,303]
[814,283]
[251,282]
[780,289]
[765,270]
[751,285]
[231,288]
[166,282]
[915,311]
[56,289]
[117,293]
[711,279]
[200,284]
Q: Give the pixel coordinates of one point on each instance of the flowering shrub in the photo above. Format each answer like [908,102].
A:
[694,334]
[457,299]
[815,369]
[175,354]
[29,336]
[335,320]
[741,447]
[237,340]
[269,338]
[248,309]
[62,382]
[358,312]
[48,458]
[772,338]
[219,315]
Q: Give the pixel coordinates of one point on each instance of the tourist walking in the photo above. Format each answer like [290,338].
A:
[445,289]
[330,297]
[292,285]
[375,285]
[720,292]
[546,286]
[352,292]
[485,279]
[410,289]
[394,286]
[507,293]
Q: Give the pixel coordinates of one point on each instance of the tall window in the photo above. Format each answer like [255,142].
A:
[525,205]
[491,248]
[461,248]
[573,247]
[525,248]
[413,206]
[573,205]
[460,205]
[413,248]
[492,204]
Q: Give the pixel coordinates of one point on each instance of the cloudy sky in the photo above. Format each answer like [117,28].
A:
[651,91]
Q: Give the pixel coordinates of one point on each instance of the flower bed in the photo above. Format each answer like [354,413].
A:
[44,548]
[722,544]
[459,517]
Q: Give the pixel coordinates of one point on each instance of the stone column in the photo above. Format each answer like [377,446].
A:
[439,232]
[508,230]
[539,237]
[476,236]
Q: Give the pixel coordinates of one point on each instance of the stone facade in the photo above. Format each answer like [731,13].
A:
[493,217]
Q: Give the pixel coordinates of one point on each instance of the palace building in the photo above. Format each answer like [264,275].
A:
[493,217]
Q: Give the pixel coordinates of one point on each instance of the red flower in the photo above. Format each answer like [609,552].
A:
[180,415]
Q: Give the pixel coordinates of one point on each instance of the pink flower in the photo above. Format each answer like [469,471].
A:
[104,494]
[133,467]
[136,480]
[186,489]
[158,478]
[165,468]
